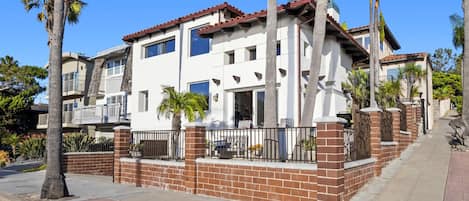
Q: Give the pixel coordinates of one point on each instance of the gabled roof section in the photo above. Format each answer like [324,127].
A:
[388,34]
[302,9]
[175,22]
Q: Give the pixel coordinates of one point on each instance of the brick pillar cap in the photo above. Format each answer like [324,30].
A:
[371,109]
[121,128]
[407,103]
[330,120]
[195,125]
[393,109]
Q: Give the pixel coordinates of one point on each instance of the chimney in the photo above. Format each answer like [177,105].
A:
[333,10]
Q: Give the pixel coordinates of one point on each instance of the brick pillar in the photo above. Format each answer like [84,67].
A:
[121,149]
[396,127]
[375,136]
[330,159]
[411,121]
[195,148]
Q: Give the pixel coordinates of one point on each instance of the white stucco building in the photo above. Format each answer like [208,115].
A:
[220,52]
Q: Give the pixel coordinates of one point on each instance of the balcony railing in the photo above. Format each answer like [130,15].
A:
[99,114]
[72,87]
[66,120]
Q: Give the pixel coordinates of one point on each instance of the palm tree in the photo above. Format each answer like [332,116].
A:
[270,116]
[374,49]
[12,140]
[389,93]
[319,35]
[465,71]
[55,14]
[458,30]
[412,74]
[175,104]
[357,86]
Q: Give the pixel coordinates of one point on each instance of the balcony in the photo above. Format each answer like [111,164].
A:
[66,121]
[72,88]
[100,114]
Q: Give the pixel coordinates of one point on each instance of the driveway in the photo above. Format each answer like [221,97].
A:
[15,186]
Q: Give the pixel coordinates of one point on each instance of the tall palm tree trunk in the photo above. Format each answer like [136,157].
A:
[176,127]
[373,55]
[319,35]
[270,115]
[376,50]
[54,186]
[465,107]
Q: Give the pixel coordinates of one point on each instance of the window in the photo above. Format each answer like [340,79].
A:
[367,43]
[381,45]
[359,40]
[70,81]
[119,99]
[202,88]
[279,48]
[305,48]
[199,45]
[68,107]
[143,101]
[115,67]
[252,53]
[392,74]
[229,58]
[160,48]
[260,97]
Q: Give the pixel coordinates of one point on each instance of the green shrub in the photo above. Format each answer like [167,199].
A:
[33,148]
[105,140]
[77,142]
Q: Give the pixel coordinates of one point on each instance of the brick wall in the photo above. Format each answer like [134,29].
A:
[253,183]
[404,140]
[388,152]
[152,173]
[93,163]
[356,176]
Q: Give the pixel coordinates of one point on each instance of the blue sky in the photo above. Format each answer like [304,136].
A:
[419,26]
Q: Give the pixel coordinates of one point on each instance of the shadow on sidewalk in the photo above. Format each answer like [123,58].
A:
[18,168]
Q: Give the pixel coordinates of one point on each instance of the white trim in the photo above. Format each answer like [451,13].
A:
[330,120]
[121,128]
[195,125]
[393,109]
[88,153]
[295,166]
[153,162]
[389,143]
[354,164]
[405,132]
[371,109]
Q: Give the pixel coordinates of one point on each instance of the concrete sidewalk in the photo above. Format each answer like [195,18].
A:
[420,173]
[26,187]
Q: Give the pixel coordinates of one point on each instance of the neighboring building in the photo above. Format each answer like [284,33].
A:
[220,52]
[76,75]
[391,63]
[107,102]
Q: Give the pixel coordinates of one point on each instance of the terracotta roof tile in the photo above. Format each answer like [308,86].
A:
[404,57]
[180,20]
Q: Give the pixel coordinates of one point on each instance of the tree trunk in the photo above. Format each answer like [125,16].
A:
[176,127]
[377,44]
[270,115]
[319,34]
[373,66]
[54,186]
[465,106]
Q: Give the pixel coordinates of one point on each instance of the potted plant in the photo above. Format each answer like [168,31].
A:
[135,150]
[256,150]
[309,146]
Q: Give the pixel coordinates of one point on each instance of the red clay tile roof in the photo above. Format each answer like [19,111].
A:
[183,19]
[389,35]
[263,13]
[404,57]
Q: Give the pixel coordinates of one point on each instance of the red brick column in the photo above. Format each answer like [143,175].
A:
[122,136]
[375,136]
[195,148]
[411,120]
[396,127]
[330,160]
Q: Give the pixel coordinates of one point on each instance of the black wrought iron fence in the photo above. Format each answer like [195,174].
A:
[101,147]
[349,145]
[158,144]
[263,144]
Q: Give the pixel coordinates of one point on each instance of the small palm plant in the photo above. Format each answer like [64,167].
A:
[357,85]
[412,74]
[389,93]
[12,140]
[175,104]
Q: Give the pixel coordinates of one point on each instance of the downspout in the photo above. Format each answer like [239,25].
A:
[181,34]
[299,70]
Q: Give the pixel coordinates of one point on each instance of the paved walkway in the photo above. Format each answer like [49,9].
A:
[420,173]
[26,187]
[457,185]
